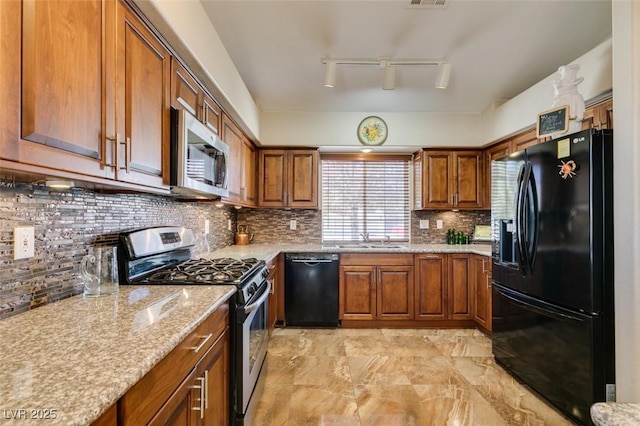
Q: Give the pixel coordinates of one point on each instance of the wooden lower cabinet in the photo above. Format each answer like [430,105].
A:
[481,271]
[190,386]
[431,286]
[276,275]
[376,287]
[459,267]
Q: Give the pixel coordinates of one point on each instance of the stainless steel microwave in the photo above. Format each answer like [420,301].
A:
[199,159]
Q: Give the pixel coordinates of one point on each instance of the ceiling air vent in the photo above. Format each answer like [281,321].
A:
[428,4]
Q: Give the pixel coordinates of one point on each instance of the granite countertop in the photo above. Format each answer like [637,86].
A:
[269,251]
[69,361]
[615,413]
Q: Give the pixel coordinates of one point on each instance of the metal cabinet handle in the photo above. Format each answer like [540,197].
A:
[204,341]
[115,142]
[127,153]
[202,396]
[484,268]
[206,389]
[487,280]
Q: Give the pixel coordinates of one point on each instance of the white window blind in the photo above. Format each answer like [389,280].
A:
[365,196]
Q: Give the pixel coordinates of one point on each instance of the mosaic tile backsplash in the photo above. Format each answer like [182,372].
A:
[67,223]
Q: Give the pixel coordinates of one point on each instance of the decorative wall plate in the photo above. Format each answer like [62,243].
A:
[372,131]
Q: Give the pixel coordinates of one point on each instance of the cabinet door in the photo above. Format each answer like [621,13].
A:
[213,374]
[417,181]
[492,153]
[524,140]
[10,79]
[143,84]
[211,113]
[459,289]
[273,297]
[302,179]
[180,408]
[395,292]
[431,287]
[272,178]
[437,190]
[248,188]
[232,136]
[185,90]
[467,179]
[599,116]
[357,292]
[482,291]
[64,122]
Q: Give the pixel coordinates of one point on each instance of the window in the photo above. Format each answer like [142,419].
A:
[365,196]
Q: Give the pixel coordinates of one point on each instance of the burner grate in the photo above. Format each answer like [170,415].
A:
[206,271]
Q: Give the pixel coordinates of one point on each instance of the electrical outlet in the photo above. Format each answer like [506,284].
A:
[424,224]
[206,226]
[293,225]
[228,224]
[439,224]
[23,242]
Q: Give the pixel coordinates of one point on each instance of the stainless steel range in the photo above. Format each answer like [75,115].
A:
[163,256]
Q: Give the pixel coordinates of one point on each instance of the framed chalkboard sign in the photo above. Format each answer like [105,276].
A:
[553,121]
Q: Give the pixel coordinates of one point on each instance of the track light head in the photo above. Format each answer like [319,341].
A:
[330,74]
[444,74]
[389,77]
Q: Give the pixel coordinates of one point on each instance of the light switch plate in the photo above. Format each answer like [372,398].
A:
[293,225]
[206,226]
[439,224]
[228,224]
[23,240]
[424,224]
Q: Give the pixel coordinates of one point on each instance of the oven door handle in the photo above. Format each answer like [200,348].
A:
[252,307]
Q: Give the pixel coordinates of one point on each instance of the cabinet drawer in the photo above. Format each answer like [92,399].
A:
[146,397]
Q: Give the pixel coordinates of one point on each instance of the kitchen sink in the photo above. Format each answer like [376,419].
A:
[380,246]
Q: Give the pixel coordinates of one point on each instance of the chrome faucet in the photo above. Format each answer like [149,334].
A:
[365,237]
[387,239]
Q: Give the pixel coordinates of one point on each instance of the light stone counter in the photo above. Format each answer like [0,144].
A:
[71,360]
[269,251]
[615,414]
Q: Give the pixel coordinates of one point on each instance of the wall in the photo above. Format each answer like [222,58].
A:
[464,221]
[626,199]
[68,222]
[271,226]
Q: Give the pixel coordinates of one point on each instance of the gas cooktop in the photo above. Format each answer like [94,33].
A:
[207,271]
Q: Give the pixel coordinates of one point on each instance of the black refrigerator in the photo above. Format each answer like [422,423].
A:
[552,219]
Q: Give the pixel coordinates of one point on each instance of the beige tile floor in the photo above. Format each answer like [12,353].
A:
[392,377]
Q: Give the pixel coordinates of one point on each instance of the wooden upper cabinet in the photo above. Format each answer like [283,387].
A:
[143,91]
[452,179]
[101,108]
[66,120]
[187,93]
[524,140]
[492,153]
[599,116]
[288,178]
[232,136]
[242,170]
[10,24]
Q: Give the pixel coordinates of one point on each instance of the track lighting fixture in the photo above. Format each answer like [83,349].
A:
[389,67]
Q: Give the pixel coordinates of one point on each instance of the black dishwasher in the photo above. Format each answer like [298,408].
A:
[311,289]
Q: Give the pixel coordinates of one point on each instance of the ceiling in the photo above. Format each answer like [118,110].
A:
[497,49]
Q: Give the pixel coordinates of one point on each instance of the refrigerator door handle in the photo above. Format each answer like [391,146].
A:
[520,230]
[530,218]
[548,311]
